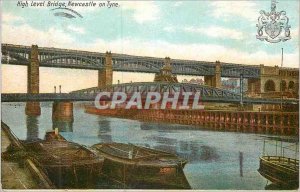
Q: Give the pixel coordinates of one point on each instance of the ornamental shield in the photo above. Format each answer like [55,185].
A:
[273,29]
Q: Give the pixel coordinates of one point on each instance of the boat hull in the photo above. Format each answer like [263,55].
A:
[142,168]
[67,164]
[145,177]
[280,171]
[75,176]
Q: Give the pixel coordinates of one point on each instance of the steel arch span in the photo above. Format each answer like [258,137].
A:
[161,87]
[207,93]
[76,59]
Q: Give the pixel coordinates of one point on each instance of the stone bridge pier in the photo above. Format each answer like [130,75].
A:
[253,86]
[105,76]
[63,126]
[62,111]
[62,116]
[33,108]
[214,80]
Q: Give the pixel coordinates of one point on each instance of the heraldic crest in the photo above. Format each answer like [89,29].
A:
[273,26]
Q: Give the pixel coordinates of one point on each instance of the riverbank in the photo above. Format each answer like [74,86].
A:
[24,175]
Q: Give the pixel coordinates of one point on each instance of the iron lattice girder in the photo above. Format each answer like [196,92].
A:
[18,55]
[234,70]
[145,87]
[65,58]
[207,93]
[136,63]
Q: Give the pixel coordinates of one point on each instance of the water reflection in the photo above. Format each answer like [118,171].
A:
[104,132]
[207,153]
[193,151]
[32,124]
[213,157]
[63,126]
[104,125]
[163,140]
[163,126]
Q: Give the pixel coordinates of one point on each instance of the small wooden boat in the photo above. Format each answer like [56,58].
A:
[281,170]
[68,165]
[143,168]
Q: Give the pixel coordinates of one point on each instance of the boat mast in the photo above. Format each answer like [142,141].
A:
[281,83]
[264,148]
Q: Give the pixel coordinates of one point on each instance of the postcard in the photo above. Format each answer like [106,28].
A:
[149,95]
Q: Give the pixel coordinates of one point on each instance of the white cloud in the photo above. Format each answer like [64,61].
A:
[76,29]
[217,32]
[169,29]
[8,18]
[245,9]
[211,31]
[295,34]
[197,51]
[143,11]
[178,3]
[25,34]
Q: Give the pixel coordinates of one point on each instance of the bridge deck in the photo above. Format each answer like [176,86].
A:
[24,97]
[66,58]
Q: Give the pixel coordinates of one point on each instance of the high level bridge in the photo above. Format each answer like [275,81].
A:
[262,79]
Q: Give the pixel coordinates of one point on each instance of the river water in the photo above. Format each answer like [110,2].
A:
[213,157]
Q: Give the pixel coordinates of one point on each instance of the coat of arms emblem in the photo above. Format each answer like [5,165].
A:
[273,26]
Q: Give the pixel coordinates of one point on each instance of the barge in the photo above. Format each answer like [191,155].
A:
[142,168]
[67,164]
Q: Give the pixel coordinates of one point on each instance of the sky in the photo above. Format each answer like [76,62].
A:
[195,30]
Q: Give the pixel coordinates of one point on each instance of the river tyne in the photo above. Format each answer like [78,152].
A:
[213,157]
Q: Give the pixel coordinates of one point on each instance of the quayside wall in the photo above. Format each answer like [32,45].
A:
[272,122]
